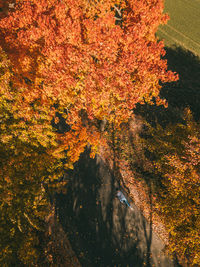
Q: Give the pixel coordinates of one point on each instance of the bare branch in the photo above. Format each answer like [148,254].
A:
[118,18]
[118,11]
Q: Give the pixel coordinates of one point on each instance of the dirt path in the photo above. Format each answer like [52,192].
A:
[101,230]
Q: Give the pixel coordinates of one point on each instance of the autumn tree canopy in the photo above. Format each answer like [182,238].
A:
[76,58]
[75,55]
[86,60]
[26,167]
[176,152]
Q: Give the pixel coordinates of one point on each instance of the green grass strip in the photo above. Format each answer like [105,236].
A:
[183,28]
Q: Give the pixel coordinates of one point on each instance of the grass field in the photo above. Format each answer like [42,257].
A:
[183,28]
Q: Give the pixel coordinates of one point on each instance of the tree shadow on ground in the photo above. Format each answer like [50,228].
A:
[101,230]
[180,94]
[185,93]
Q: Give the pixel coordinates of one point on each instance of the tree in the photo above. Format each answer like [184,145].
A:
[176,151]
[84,60]
[74,55]
[26,167]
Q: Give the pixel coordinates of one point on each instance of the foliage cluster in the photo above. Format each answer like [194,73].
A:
[81,61]
[176,151]
[167,158]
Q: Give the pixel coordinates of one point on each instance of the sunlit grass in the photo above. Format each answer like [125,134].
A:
[184,25]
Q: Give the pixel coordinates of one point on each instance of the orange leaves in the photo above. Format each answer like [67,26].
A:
[95,48]
[75,55]
[61,11]
[26,63]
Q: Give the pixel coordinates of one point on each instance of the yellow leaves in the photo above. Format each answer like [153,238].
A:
[62,55]
[69,165]
[176,147]
[56,120]
[92,154]
[58,153]
[5,138]
[70,55]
